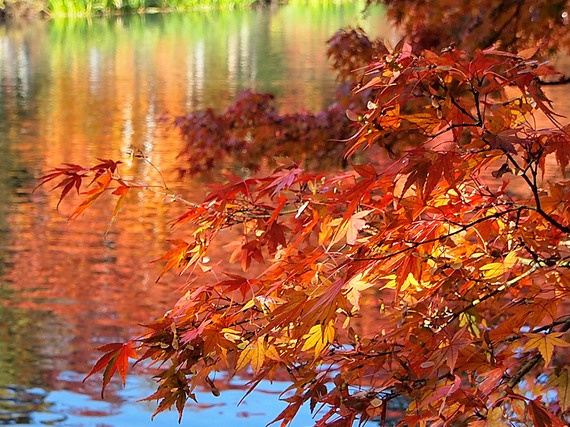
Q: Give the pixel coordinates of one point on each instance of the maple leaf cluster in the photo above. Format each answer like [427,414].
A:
[469,24]
[466,280]
[251,131]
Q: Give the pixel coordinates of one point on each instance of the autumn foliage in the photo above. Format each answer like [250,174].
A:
[466,280]
[471,24]
[251,130]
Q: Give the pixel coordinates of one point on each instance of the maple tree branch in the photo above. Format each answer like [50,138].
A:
[562,81]
[175,197]
[137,152]
[157,189]
[525,369]
[459,106]
[462,227]
[531,363]
[534,188]
[452,126]
[565,322]
[539,209]
[491,294]
[547,263]
[464,111]
[477,105]
[566,326]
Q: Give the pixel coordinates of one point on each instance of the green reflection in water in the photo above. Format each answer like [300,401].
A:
[24,348]
[213,54]
[19,352]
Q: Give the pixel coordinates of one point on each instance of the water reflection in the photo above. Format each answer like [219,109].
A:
[69,407]
[74,91]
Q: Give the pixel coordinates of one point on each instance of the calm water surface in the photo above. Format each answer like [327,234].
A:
[74,91]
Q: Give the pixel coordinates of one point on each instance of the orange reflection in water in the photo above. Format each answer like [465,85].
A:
[75,91]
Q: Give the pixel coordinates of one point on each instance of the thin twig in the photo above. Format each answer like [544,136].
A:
[462,227]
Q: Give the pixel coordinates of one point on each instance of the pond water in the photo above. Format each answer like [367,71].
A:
[76,90]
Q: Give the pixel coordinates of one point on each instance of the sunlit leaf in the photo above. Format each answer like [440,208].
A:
[545,343]
[101,185]
[116,358]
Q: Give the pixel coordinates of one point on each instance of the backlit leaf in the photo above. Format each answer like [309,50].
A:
[101,185]
[545,343]
[254,355]
[116,358]
[319,338]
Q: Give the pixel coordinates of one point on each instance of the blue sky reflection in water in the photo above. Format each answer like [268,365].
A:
[68,408]
[74,91]
[73,409]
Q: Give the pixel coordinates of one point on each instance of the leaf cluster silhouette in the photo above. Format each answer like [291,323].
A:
[512,24]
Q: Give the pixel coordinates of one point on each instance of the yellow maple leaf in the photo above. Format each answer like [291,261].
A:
[545,344]
[492,270]
[319,337]
[253,354]
[495,417]
[497,269]
[354,288]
